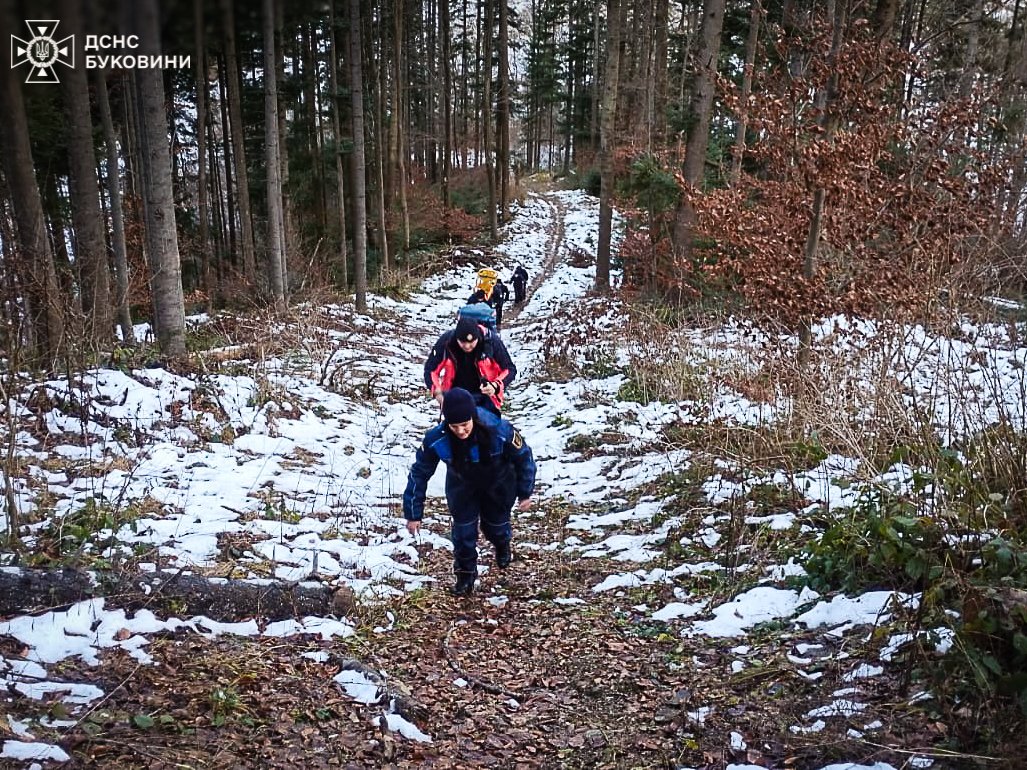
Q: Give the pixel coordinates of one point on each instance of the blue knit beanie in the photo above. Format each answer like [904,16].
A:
[457,406]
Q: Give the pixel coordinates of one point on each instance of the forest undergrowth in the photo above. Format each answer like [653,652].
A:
[953,532]
[549,684]
[955,535]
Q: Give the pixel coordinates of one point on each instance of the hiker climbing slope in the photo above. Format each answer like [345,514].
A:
[490,290]
[484,286]
[471,357]
[488,467]
[520,284]
[499,296]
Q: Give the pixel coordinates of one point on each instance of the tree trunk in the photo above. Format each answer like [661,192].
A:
[973,36]
[688,26]
[755,19]
[10,318]
[571,124]
[503,114]
[701,114]
[378,131]
[884,17]
[156,186]
[203,213]
[130,151]
[464,89]
[1011,97]
[829,123]
[607,123]
[340,165]
[480,44]
[230,239]
[486,120]
[702,93]
[43,331]
[113,179]
[447,108]
[168,593]
[640,78]
[594,100]
[659,130]
[53,209]
[233,83]
[286,230]
[391,76]
[914,36]
[312,117]
[272,161]
[219,219]
[399,118]
[86,213]
[359,162]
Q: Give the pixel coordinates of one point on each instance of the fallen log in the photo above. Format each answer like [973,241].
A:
[177,593]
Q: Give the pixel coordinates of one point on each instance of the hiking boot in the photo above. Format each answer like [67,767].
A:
[503,555]
[464,585]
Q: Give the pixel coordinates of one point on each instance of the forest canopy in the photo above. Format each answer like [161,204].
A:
[796,159]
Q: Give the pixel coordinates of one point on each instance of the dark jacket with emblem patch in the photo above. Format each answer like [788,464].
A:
[507,475]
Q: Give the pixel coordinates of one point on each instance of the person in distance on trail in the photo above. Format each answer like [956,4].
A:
[473,358]
[483,288]
[492,292]
[500,294]
[520,284]
[489,467]
[480,295]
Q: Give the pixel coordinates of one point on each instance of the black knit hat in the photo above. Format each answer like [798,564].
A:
[457,406]
[467,330]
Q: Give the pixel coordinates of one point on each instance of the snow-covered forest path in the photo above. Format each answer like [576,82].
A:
[648,620]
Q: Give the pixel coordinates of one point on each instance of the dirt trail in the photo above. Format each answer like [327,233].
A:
[554,247]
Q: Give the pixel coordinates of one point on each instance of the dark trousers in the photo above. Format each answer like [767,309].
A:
[519,293]
[495,526]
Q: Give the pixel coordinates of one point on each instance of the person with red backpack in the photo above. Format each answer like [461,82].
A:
[471,357]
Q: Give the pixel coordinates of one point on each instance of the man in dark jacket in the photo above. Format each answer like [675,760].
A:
[500,294]
[520,284]
[488,467]
[495,298]
[472,358]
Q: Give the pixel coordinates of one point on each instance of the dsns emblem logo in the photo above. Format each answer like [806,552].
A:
[42,52]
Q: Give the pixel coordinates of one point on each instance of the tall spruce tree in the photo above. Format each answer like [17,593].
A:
[161,234]
[359,185]
[86,213]
[272,135]
[42,319]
